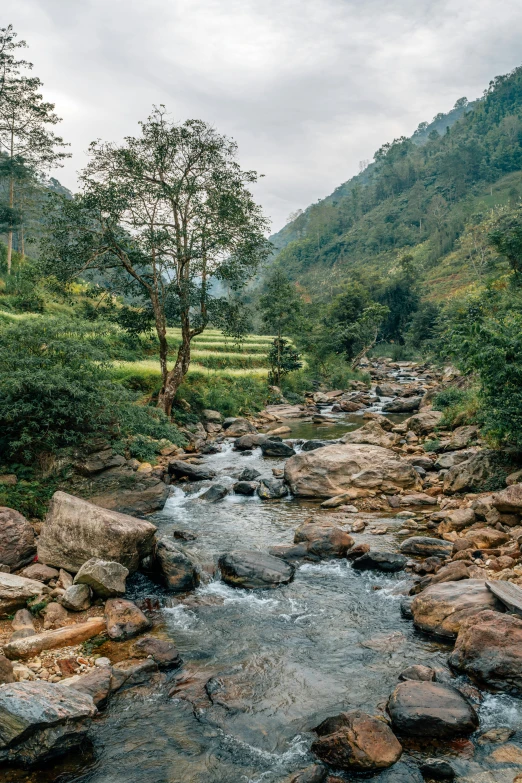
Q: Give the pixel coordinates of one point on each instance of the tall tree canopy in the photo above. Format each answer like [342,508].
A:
[170,210]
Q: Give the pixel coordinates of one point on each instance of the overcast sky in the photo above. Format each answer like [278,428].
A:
[308,88]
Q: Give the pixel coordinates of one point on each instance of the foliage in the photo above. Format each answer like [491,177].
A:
[167,217]
[506,238]
[431,445]
[282,358]
[230,396]
[31,495]
[280,304]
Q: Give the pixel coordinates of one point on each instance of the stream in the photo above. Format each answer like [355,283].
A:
[261,669]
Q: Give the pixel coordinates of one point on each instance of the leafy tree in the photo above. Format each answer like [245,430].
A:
[57,390]
[170,212]
[344,311]
[506,238]
[363,332]
[280,304]
[26,140]
[283,358]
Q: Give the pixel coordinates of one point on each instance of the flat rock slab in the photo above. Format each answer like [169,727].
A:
[74,531]
[181,469]
[508,593]
[15,591]
[442,608]
[429,709]
[254,570]
[63,637]
[424,546]
[39,721]
[489,648]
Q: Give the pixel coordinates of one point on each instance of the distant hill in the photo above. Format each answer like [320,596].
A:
[416,197]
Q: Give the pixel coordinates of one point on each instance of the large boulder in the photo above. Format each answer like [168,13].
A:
[276,448]
[254,570]
[509,500]
[462,437]
[75,531]
[249,442]
[134,502]
[472,474]
[356,742]
[235,428]
[39,721]
[484,538]
[429,709]
[176,569]
[15,591]
[489,649]
[424,546]
[179,468]
[403,405]
[373,434]
[324,541]
[17,544]
[442,608]
[424,422]
[96,684]
[334,469]
[105,578]
[124,620]
[453,572]
[164,653]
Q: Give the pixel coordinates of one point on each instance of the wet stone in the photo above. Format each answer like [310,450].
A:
[380,561]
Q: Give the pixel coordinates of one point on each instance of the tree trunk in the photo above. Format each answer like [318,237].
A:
[10,232]
[175,377]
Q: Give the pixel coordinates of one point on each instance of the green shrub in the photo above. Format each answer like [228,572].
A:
[432,445]
[231,396]
[449,397]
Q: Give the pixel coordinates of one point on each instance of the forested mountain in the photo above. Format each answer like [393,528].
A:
[427,196]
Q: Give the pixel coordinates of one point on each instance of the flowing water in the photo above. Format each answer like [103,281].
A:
[261,669]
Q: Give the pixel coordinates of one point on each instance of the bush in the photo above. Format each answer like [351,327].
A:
[231,396]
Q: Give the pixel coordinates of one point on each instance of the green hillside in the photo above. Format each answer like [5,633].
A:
[419,197]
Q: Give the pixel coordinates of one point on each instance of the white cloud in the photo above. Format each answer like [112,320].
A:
[308,88]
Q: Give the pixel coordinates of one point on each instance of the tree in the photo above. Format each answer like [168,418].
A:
[280,304]
[25,138]
[283,358]
[506,238]
[170,212]
[364,331]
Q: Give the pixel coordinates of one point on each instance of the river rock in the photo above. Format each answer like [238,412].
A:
[6,671]
[235,428]
[245,487]
[39,721]
[40,572]
[105,578]
[55,616]
[312,445]
[373,434]
[380,561]
[77,598]
[269,489]
[453,572]
[17,541]
[50,640]
[484,538]
[489,648]
[418,673]
[177,571]
[429,709]
[164,653]
[132,672]
[423,546]
[324,541]
[23,625]
[424,422]
[357,742]
[457,520]
[403,405]
[509,500]
[334,469]
[274,448]
[471,474]
[249,442]
[124,620]
[254,570]
[399,773]
[316,773]
[75,530]
[214,493]
[182,469]
[96,684]
[441,609]
[462,437]
[249,474]
[15,591]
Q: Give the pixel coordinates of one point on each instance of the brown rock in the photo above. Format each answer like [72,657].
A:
[356,742]
[132,672]
[17,543]
[164,653]
[6,670]
[489,648]
[442,608]
[418,672]
[96,684]
[357,551]
[373,434]
[457,520]
[508,500]
[429,709]
[75,531]
[55,616]
[15,591]
[486,538]
[424,422]
[333,470]
[63,637]
[453,572]
[324,541]
[40,572]
[124,620]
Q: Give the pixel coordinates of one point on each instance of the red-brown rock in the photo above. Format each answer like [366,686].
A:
[357,742]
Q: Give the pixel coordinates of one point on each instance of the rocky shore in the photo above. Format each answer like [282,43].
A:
[71,637]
